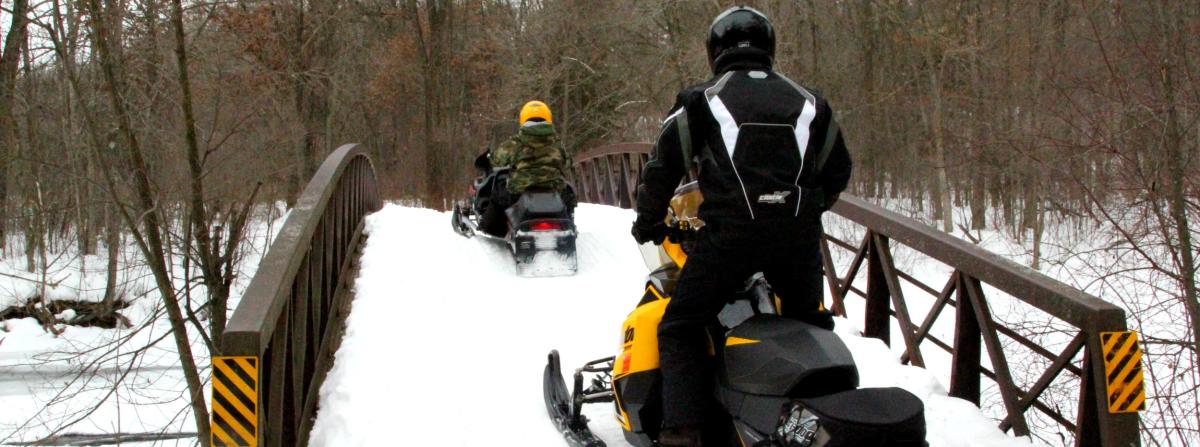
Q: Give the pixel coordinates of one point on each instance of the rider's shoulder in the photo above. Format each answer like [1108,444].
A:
[690,96]
[510,143]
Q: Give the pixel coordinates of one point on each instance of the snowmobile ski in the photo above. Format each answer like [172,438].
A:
[461,222]
[465,222]
[564,407]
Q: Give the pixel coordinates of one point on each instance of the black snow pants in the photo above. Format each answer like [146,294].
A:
[492,219]
[718,265]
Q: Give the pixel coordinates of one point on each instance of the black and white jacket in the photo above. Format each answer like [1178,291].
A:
[765,149]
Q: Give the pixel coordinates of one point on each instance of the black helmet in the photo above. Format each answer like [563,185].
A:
[740,27]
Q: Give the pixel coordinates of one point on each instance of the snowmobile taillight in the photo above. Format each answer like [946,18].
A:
[545,226]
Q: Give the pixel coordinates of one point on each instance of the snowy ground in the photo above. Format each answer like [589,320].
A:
[101,381]
[446,345]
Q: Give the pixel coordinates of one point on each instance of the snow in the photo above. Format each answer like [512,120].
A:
[125,380]
[63,280]
[446,345]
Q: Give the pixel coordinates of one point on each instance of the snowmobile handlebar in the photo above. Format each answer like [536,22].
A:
[680,231]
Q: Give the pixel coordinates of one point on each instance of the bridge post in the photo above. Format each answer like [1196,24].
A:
[1103,384]
[878,323]
[964,372]
[626,191]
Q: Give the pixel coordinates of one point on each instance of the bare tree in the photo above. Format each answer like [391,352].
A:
[145,221]
[9,58]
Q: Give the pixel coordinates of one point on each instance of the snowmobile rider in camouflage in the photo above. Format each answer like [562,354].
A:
[534,153]
[769,160]
[536,160]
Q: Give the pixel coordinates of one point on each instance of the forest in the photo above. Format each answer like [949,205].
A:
[170,124]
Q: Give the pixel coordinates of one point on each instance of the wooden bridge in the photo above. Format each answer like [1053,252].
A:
[279,344]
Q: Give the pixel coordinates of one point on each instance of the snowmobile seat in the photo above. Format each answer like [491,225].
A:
[773,355]
[538,203]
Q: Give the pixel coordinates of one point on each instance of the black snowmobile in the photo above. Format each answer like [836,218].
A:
[780,382]
[538,226]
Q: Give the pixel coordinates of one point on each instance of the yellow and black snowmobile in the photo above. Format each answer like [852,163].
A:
[780,382]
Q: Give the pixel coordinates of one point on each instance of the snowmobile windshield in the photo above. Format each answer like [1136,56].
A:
[685,207]
[683,214]
[653,255]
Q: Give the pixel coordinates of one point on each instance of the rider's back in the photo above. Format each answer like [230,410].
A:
[536,158]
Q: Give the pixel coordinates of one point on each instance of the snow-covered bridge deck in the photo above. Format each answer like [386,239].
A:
[446,345]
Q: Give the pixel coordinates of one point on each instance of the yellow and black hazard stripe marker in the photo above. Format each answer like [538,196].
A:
[235,401]
[1123,366]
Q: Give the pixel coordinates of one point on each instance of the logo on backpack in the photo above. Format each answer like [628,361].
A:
[775,198]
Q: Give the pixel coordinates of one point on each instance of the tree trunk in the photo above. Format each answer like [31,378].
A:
[112,246]
[311,48]
[978,182]
[431,48]
[942,188]
[978,202]
[1039,226]
[31,236]
[80,184]
[148,213]
[13,43]
[815,49]
[203,247]
[1176,159]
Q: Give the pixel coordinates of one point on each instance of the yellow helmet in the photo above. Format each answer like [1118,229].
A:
[535,109]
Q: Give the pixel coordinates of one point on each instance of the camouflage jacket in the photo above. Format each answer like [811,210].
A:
[536,158]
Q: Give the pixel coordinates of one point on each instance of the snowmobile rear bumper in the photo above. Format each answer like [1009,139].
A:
[545,247]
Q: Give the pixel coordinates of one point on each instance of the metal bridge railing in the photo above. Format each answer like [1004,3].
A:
[609,174]
[1110,376]
[280,342]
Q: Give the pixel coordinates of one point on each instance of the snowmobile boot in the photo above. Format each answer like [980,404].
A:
[680,437]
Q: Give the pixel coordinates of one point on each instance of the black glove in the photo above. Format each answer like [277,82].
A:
[652,232]
[483,163]
[829,202]
[679,235]
[812,201]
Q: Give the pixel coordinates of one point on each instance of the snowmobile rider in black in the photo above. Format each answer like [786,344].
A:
[770,160]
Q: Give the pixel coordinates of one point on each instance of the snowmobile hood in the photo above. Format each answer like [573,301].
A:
[776,356]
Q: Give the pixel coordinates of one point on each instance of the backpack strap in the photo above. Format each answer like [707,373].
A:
[685,144]
[831,133]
